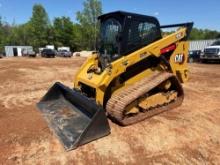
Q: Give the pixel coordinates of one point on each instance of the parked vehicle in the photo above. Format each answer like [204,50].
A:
[211,53]
[28,53]
[49,53]
[64,53]
[194,56]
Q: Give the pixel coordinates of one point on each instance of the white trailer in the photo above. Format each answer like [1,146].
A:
[63,48]
[50,47]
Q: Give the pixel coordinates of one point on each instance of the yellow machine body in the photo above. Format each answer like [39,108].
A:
[135,75]
[100,82]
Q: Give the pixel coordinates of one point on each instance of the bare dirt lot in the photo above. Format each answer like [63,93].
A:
[189,134]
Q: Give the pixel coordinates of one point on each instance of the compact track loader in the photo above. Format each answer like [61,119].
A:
[137,73]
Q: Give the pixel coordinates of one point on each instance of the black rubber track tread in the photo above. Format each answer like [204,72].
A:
[117,103]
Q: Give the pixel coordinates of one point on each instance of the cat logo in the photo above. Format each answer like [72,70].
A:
[179,58]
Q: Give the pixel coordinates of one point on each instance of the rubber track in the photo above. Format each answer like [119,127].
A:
[117,103]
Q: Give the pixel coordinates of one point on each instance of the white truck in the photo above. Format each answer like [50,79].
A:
[211,53]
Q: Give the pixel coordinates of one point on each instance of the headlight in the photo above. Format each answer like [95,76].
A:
[219,52]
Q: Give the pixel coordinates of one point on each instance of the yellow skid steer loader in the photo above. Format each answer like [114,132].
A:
[136,73]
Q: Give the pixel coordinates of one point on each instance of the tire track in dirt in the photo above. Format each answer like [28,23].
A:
[22,99]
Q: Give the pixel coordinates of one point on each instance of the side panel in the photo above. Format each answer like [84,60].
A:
[178,61]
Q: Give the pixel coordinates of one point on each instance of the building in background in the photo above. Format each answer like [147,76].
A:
[200,44]
[13,51]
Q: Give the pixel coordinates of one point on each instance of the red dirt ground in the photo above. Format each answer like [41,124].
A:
[189,134]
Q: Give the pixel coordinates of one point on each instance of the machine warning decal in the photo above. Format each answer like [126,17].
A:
[143,55]
[179,35]
[179,58]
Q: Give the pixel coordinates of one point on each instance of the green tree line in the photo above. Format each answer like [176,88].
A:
[61,31]
[199,34]
[203,34]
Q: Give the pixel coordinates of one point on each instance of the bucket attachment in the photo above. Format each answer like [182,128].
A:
[73,117]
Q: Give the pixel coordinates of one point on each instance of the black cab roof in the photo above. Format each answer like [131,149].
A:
[128,14]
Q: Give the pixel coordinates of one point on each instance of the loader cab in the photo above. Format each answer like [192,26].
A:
[122,33]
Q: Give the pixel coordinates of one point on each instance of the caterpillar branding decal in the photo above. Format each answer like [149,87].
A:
[179,58]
